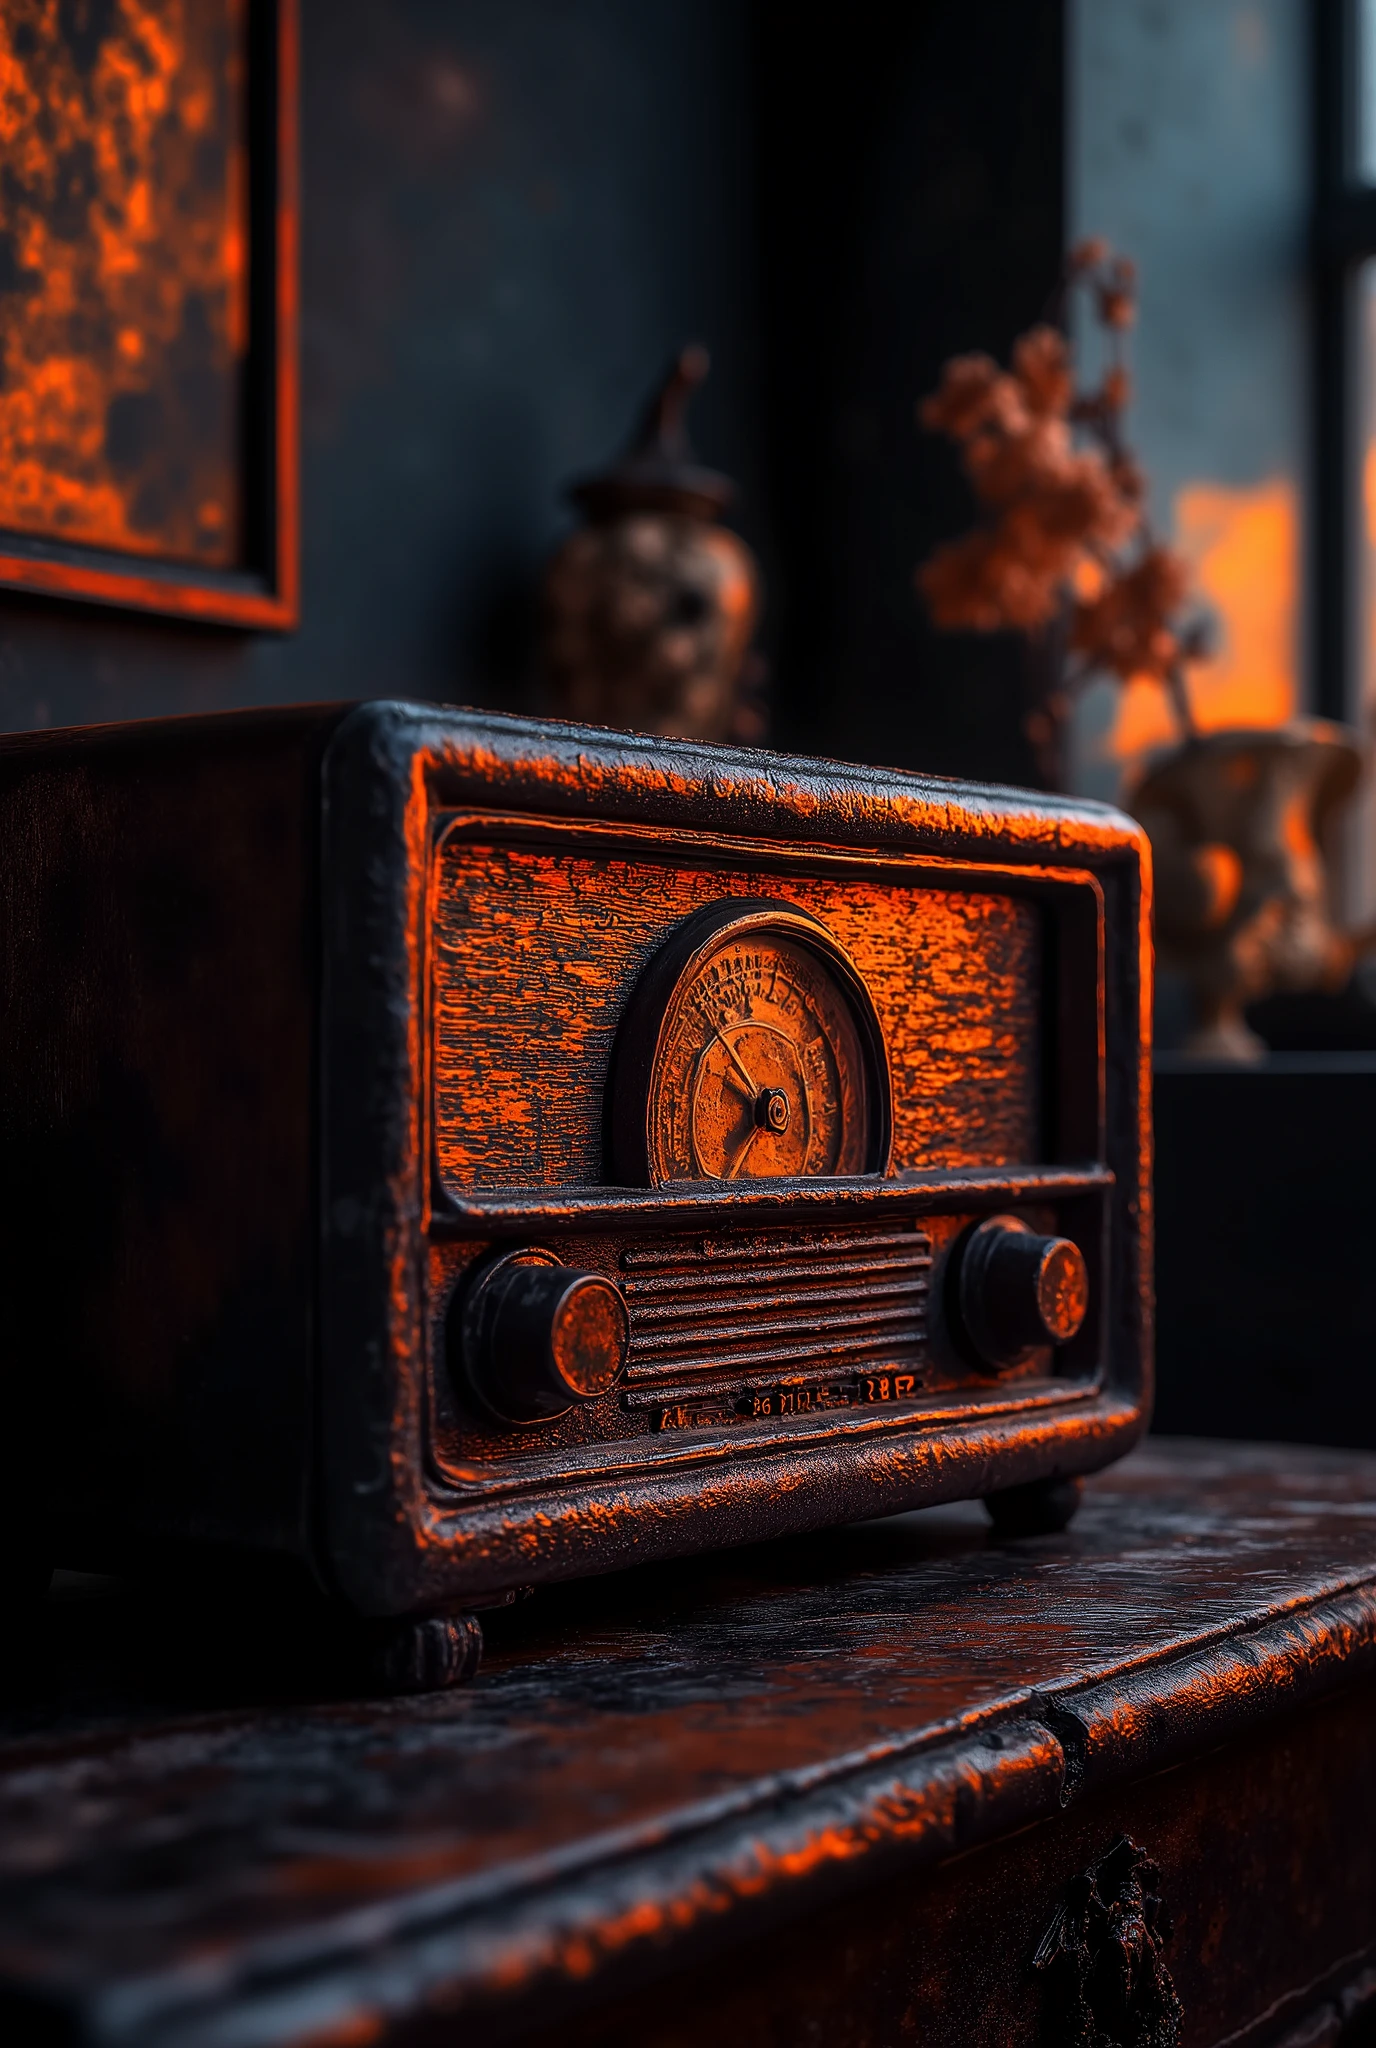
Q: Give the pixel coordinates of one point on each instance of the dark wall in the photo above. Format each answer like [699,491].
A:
[1265,1287]
[912,208]
[513,212]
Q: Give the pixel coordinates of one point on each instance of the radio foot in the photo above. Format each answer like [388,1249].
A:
[1041,1508]
[425,1653]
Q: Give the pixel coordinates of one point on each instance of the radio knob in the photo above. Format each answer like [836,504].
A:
[537,1337]
[1017,1290]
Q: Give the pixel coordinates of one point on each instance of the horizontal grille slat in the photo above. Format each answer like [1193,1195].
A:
[804,1309]
[657,1343]
[714,1252]
[656,1314]
[666,1285]
[701,1308]
[747,1361]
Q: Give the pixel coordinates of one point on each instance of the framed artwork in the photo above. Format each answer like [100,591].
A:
[148,251]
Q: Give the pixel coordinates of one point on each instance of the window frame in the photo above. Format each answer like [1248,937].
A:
[1342,238]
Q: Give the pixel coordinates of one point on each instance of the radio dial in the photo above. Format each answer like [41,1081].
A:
[750,1050]
[1018,1291]
[537,1338]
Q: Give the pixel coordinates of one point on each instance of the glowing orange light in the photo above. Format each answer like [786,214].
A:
[1243,546]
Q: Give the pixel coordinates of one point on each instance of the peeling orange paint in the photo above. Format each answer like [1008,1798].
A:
[951,977]
[123,274]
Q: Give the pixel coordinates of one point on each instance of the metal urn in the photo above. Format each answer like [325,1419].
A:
[1237,821]
[649,607]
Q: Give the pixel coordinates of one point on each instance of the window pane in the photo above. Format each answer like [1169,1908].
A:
[1361,863]
[1366,91]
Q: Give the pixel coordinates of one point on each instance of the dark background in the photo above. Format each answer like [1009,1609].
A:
[513,212]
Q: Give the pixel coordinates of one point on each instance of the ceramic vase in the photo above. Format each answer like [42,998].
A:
[1238,822]
[650,607]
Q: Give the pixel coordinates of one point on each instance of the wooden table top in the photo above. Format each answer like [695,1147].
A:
[190,1853]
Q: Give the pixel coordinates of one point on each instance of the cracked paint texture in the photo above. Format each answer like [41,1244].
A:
[123,273]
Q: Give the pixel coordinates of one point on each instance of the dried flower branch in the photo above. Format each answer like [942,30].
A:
[1066,543]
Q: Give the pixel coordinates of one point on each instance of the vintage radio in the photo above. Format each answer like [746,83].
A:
[446,1153]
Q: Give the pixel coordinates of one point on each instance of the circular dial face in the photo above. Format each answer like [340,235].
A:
[760,1070]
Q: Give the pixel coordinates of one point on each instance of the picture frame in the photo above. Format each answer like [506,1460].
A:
[149,417]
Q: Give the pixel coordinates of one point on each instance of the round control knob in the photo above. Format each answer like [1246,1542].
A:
[772,1112]
[537,1337]
[1017,1291]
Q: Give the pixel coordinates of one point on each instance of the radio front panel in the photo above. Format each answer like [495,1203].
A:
[767,1098]
[539,942]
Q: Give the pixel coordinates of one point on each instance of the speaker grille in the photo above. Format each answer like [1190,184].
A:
[744,1305]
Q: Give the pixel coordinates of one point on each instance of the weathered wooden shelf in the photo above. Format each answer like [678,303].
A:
[734,1799]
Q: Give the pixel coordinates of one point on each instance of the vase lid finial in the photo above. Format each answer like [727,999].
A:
[658,472]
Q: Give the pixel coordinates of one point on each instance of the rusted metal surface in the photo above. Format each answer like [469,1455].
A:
[342,1005]
[767,1759]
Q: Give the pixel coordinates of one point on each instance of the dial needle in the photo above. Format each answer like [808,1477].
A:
[734,1168]
[738,1063]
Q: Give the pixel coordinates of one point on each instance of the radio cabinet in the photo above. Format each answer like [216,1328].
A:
[444,1153]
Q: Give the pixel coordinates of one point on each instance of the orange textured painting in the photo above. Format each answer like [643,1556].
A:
[123,274]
